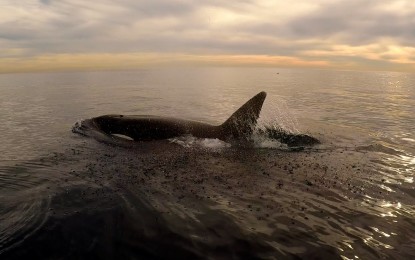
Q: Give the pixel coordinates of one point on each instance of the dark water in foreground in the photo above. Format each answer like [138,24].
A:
[66,196]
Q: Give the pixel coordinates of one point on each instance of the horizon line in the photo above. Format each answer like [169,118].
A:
[131,61]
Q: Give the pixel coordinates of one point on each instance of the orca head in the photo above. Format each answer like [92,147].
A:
[110,124]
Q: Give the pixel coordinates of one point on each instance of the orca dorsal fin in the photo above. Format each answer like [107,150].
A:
[242,123]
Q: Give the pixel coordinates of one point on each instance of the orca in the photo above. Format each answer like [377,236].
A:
[239,126]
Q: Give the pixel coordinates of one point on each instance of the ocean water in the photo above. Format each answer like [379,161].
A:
[67,196]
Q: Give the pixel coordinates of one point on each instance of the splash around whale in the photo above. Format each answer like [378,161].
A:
[239,126]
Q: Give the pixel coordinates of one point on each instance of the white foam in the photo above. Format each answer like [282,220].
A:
[261,141]
[276,114]
[190,141]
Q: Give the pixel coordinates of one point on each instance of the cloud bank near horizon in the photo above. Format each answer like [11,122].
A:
[353,34]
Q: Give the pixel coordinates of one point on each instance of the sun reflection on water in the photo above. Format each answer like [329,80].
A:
[380,232]
[409,179]
[370,241]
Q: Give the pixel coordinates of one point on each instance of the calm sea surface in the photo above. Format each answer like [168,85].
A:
[63,195]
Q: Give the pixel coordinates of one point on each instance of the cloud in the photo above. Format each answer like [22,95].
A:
[320,31]
[359,22]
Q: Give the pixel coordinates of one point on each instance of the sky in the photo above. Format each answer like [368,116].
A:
[42,35]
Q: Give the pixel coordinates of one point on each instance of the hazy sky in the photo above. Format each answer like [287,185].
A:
[79,34]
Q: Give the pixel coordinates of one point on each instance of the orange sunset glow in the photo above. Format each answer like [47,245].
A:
[64,35]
